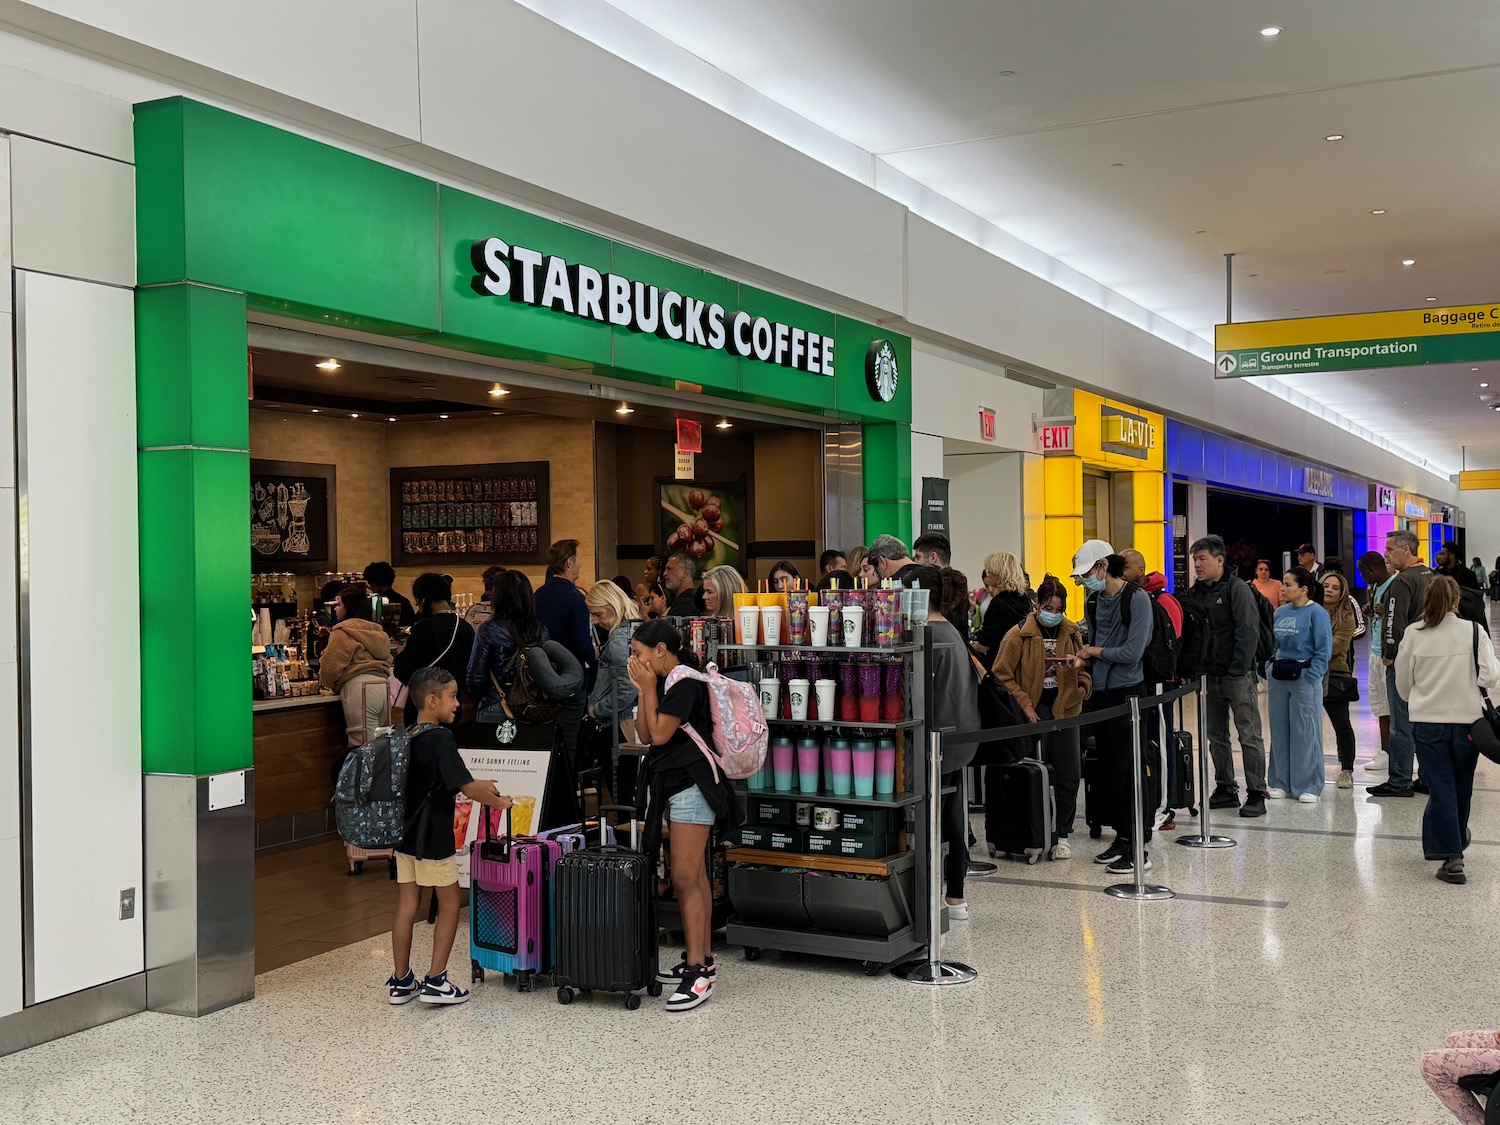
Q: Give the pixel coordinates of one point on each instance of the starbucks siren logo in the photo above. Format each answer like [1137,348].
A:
[882,373]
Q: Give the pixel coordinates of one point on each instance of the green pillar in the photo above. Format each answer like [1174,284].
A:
[887,467]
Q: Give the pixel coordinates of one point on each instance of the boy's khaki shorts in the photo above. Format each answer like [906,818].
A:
[426,872]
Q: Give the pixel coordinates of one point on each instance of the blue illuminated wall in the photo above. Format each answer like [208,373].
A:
[1195,454]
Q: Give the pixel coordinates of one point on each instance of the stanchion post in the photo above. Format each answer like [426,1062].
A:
[1138,889]
[934,970]
[1205,838]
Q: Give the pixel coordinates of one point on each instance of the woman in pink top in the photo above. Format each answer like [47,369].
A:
[1269,587]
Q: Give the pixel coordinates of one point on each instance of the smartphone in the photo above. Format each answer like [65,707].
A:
[1055,659]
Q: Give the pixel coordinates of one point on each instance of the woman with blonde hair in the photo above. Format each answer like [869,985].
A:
[859,566]
[1009,604]
[720,585]
[618,615]
[1340,685]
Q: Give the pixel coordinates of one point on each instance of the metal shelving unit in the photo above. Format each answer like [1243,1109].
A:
[897,894]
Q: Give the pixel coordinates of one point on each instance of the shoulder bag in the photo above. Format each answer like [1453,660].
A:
[1485,730]
[396,691]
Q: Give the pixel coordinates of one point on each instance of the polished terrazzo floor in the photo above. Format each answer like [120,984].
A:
[1295,978]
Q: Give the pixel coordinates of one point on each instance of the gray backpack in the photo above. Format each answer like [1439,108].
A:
[369,797]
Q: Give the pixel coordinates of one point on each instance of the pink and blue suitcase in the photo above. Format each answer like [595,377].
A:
[510,909]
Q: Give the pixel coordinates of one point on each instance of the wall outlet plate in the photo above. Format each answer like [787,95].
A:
[127,904]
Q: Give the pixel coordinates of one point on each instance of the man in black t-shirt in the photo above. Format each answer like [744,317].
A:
[427,857]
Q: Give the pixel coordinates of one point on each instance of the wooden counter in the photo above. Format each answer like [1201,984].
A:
[297,742]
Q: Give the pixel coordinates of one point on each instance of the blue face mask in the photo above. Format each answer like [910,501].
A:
[1093,585]
[1048,618]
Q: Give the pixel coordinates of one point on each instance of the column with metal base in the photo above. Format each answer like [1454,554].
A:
[1206,839]
[1137,889]
[934,970]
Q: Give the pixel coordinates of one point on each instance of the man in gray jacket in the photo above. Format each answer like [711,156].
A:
[1403,606]
[1233,629]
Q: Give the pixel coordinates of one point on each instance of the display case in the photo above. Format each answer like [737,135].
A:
[498,513]
[828,862]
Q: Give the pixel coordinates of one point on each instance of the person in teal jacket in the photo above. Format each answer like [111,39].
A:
[1304,639]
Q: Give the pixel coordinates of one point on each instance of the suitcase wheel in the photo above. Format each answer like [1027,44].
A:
[476,971]
[524,983]
[632,1001]
[871,968]
[565,995]
[994,851]
[1033,858]
[1193,811]
[752,953]
[654,988]
[356,866]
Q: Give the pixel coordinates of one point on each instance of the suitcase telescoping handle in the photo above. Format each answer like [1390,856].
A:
[628,810]
[497,851]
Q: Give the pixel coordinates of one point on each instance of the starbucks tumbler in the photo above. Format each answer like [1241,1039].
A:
[749,623]
[817,619]
[827,691]
[892,703]
[854,626]
[808,750]
[783,764]
[770,698]
[863,767]
[796,617]
[770,623]
[887,618]
[869,693]
[800,689]
[885,767]
[834,600]
[848,696]
[840,776]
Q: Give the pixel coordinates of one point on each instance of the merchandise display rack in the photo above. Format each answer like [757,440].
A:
[781,899]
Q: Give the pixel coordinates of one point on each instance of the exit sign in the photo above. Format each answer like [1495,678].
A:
[1056,438]
[986,424]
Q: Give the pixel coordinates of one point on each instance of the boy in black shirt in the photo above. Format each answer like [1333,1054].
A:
[426,857]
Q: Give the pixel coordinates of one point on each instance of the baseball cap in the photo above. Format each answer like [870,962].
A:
[1090,555]
[1307,549]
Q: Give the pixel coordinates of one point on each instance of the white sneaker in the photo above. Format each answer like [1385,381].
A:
[1346,779]
[1277,794]
[1380,763]
[958,911]
[1307,798]
[1060,850]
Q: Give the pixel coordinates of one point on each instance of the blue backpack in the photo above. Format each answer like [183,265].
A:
[369,797]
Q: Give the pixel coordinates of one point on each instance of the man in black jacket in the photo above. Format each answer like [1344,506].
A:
[680,577]
[1450,563]
[1234,630]
[1403,607]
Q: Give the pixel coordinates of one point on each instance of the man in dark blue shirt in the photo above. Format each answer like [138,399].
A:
[560,606]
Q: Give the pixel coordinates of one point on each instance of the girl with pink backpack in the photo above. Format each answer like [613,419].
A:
[684,780]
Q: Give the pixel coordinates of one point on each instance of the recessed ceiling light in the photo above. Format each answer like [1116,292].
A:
[1378,211]
[315,410]
[1005,74]
[390,419]
[444,417]
[1473,369]
[1408,261]
[1117,165]
[624,408]
[1270,32]
[1483,385]
[496,413]
[497,391]
[1334,137]
[1432,298]
[354,415]
[724,424]
[329,364]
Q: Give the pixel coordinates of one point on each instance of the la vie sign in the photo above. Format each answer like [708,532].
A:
[551,282]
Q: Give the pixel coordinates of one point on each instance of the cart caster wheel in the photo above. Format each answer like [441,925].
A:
[872,968]
[654,988]
[752,955]
[564,995]
[632,1002]
[356,867]
[1095,831]
[524,986]
[476,972]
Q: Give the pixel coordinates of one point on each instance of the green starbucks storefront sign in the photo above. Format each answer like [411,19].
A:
[234,217]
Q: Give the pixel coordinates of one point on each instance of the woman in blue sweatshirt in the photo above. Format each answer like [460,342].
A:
[1304,645]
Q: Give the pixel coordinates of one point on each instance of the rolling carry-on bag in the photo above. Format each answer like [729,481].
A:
[606,924]
[1181,792]
[1020,810]
[509,905]
[1098,789]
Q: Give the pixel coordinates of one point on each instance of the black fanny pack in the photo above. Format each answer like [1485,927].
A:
[1288,669]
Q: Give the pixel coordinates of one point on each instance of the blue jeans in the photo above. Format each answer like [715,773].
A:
[1403,748]
[1296,735]
[1448,760]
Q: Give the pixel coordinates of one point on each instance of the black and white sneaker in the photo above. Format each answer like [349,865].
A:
[693,989]
[441,990]
[1125,865]
[1113,852]
[675,973]
[404,990]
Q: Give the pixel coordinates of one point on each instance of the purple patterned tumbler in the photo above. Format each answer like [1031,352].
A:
[834,600]
[848,700]
[892,706]
[869,693]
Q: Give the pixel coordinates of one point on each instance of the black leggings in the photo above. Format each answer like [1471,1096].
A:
[955,825]
[1116,740]
[1343,730]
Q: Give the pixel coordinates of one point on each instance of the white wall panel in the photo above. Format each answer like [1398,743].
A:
[10,926]
[948,389]
[84,119]
[509,90]
[75,350]
[987,496]
[355,57]
[1482,536]
[72,213]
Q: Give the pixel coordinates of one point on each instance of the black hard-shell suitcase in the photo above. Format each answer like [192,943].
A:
[1098,789]
[606,924]
[1181,790]
[1020,810]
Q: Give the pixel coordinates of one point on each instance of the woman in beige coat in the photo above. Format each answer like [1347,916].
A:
[357,665]
[1033,665]
[1341,680]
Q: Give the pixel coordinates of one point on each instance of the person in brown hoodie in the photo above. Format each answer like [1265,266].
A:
[1034,668]
[357,665]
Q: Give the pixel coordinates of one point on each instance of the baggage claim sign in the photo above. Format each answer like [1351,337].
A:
[1408,338]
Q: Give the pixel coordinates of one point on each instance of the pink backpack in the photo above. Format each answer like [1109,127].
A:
[740,734]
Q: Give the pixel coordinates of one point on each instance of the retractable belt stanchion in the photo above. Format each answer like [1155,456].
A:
[1205,839]
[1138,889]
[934,970]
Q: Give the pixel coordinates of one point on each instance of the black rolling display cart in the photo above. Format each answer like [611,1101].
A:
[832,873]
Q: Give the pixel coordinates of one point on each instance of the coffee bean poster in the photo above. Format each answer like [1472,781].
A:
[704,518]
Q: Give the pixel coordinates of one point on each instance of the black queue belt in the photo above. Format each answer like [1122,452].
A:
[1086,719]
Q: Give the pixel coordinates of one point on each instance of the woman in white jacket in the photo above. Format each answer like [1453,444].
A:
[1442,664]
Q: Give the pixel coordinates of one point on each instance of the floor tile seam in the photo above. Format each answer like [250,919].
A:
[1338,832]
[1214,900]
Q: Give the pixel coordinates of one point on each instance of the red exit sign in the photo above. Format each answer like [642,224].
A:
[1056,439]
[986,424]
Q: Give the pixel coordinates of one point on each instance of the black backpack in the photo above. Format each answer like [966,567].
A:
[1159,664]
[1265,643]
[1471,606]
[1192,656]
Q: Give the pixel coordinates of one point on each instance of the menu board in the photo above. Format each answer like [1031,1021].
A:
[470,513]
[292,517]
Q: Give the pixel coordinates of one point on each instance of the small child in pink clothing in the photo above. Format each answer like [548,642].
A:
[1463,1053]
